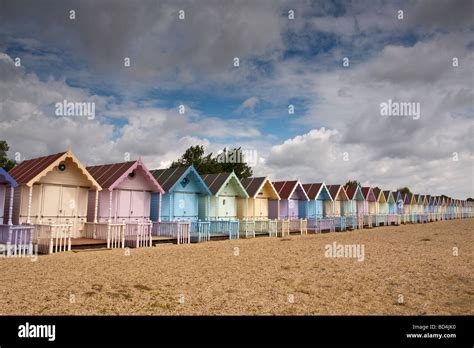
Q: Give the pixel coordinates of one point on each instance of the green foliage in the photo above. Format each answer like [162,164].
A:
[226,161]
[404,190]
[352,182]
[5,163]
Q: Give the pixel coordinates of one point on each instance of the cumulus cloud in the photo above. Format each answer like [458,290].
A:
[337,132]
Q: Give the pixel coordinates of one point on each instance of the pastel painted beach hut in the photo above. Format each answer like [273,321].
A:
[409,207]
[426,207]
[354,193]
[53,195]
[422,214]
[186,200]
[370,203]
[254,211]
[381,207]
[226,188]
[15,239]
[392,216]
[435,208]
[419,208]
[123,206]
[293,205]
[442,207]
[319,208]
[450,208]
[341,206]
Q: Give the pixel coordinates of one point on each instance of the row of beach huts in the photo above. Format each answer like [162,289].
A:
[53,203]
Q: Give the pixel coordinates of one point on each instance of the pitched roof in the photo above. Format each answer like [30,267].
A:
[109,176]
[215,181]
[254,185]
[167,178]
[6,179]
[377,192]
[30,171]
[366,192]
[387,194]
[27,170]
[285,189]
[334,191]
[351,190]
[312,190]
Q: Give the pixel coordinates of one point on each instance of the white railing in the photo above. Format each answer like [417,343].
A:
[225,226]
[200,231]
[351,221]
[181,230]
[367,220]
[247,228]
[138,234]
[18,239]
[299,225]
[340,223]
[393,218]
[113,234]
[53,238]
[324,224]
[266,226]
[283,227]
[381,219]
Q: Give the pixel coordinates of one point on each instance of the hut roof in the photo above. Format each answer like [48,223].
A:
[30,171]
[368,193]
[254,185]
[216,182]
[334,191]
[314,190]
[168,178]
[6,179]
[109,176]
[285,189]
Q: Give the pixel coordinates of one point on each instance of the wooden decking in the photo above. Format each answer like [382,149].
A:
[87,241]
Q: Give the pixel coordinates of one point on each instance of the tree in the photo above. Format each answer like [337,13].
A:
[404,190]
[225,161]
[5,163]
[352,182]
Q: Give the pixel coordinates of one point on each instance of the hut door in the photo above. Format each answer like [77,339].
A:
[227,207]
[50,205]
[184,205]
[124,199]
[140,207]
[292,209]
[261,207]
[68,205]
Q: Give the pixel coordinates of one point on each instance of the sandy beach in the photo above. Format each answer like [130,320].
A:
[406,270]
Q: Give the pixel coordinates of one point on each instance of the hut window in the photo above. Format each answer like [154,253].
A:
[131,175]
[223,202]
[62,167]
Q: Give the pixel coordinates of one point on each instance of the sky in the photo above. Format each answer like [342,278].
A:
[334,62]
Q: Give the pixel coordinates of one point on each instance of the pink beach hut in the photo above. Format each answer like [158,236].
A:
[123,207]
